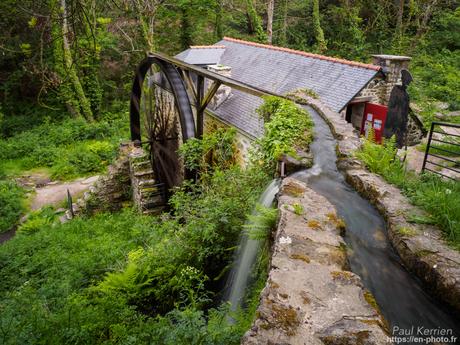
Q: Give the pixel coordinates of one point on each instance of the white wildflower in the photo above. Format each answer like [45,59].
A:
[285,240]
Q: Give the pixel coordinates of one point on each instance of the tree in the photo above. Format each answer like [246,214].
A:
[254,22]
[318,31]
[270,10]
[71,89]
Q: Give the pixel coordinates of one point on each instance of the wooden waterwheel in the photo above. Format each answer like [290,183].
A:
[161,117]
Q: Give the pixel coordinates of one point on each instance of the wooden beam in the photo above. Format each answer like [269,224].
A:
[234,84]
[199,108]
[189,82]
[209,95]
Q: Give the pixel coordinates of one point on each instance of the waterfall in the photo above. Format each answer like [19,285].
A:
[246,255]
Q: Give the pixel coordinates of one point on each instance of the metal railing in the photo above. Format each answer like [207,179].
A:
[444,148]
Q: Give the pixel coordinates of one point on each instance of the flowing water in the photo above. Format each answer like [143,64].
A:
[399,295]
[247,254]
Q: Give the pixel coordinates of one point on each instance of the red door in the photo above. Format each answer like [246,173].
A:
[374,117]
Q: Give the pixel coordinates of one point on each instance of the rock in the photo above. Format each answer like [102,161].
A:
[304,160]
[420,246]
[441,105]
[309,297]
[424,253]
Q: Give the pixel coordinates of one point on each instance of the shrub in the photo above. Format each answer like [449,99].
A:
[215,149]
[287,128]
[37,220]
[11,204]
[70,148]
[438,197]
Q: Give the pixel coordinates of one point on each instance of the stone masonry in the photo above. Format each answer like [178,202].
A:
[130,177]
[421,247]
[310,296]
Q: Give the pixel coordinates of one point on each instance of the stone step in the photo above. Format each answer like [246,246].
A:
[153,205]
[154,193]
[144,173]
[142,165]
[148,183]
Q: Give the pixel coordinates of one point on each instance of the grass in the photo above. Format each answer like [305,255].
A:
[440,198]
[67,149]
[126,278]
[12,204]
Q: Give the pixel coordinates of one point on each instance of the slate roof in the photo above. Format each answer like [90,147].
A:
[202,55]
[279,70]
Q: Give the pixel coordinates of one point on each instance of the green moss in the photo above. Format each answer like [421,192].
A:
[423,252]
[293,190]
[342,275]
[406,231]
[285,318]
[314,224]
[301,257]
[298,209]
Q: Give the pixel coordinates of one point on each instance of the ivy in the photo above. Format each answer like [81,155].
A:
[287,128]
[215,150]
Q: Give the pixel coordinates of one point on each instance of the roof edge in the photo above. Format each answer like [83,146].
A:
[207,47]
[306,54]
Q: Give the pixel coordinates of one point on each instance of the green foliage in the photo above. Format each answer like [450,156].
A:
[255,23]
[37,220]
[261,222]
[215,149]
[106,279]
[11,204]
[287,127]
[346,37]
[382,158]
[298,209]
[69,149]
[438,197]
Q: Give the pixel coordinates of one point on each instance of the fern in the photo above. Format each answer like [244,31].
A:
[261,222]
[132,280]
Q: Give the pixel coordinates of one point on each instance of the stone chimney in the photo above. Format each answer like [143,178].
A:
[224,91]
[391,66]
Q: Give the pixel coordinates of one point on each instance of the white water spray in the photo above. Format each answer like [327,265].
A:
[247,254]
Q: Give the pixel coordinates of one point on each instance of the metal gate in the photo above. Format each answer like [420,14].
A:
[443,150]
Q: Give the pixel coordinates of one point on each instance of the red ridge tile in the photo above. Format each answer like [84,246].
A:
[302,53]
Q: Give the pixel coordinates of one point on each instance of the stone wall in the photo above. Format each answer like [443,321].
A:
[421,247]
[376,90]
[110,191]
[379,88]
[310,296]
[129,178]
[243,142]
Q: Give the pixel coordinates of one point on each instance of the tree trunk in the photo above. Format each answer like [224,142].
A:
[318,31]
[185,35]
[399,20]
[218,29]
[270,10]
[283,35]
[71,69]
[254,21]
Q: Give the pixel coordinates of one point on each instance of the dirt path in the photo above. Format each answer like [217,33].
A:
[54,193]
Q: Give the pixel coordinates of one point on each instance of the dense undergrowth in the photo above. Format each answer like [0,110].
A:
[67,149]
[12,204]
[287,129]
[108,279]
[440,198]
[130,279]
